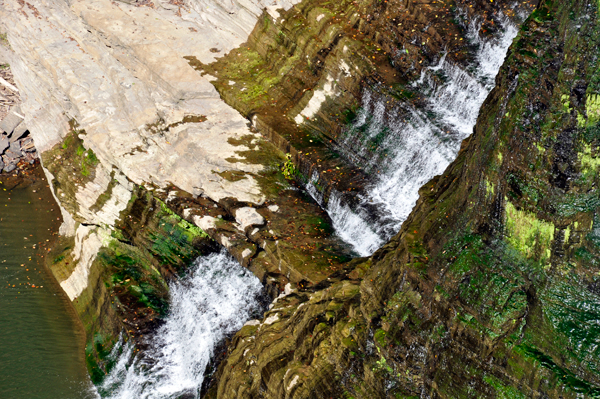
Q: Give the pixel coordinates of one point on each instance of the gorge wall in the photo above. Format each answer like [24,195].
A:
[164,128]
[490,288]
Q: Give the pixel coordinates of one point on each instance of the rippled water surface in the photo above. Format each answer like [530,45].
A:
[41,345]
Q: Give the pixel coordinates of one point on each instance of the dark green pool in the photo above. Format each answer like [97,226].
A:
[41,353]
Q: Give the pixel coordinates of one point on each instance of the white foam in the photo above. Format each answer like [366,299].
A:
[353,228]
[215,300]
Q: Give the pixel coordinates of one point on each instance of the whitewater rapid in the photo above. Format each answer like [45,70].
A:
[418,144]
[212,302]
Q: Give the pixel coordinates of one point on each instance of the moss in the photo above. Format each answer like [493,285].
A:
[380,337]
[232,175]
[97,357]
[573,312]
[191,231]
[503,391]
[573,203]
[72,166]
[592,107]
[565,376]
[529,235]
[489,188]
[590,164]
[564,99]
[106,195]
[580,120]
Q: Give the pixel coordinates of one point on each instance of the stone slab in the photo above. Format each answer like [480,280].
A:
[10,123]
[248,216]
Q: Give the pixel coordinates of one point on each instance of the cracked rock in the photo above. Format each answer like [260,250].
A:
[248,216]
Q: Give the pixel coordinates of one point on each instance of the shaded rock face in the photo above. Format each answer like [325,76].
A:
[489,289]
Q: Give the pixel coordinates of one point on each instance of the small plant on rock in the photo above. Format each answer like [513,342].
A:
[288,168]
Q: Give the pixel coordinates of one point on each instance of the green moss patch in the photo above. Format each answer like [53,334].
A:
[529,235]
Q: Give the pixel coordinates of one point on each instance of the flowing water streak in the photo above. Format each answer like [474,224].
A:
[352,228]
[214,301]
[419,145]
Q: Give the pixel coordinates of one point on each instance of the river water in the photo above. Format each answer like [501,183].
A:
[41,344]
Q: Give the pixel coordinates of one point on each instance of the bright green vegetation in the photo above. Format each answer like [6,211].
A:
[527,234]
[288,168]
[72,166]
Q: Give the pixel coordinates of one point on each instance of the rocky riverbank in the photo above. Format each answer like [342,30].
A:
[17,149]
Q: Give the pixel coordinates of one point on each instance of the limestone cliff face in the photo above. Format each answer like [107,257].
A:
[132,138]
[491,287]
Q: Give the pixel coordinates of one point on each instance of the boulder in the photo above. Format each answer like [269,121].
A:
[10,123]
[9,166]
[248,216]
[15,147]
[19,132]
[11,157]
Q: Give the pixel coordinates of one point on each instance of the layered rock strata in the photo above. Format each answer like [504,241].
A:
[333,52]
[490,288]
[128,132]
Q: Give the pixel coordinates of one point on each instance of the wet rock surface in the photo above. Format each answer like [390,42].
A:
[488,289]
[303,102]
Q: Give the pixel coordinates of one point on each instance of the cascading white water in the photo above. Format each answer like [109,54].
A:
[311,187]
[213,301]
[418,145]
[352,227]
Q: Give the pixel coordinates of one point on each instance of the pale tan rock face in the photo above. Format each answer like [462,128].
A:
[117,69]
[119,72]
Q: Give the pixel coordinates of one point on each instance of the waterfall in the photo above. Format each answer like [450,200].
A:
[212,302]
[414,145]
[352,227]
